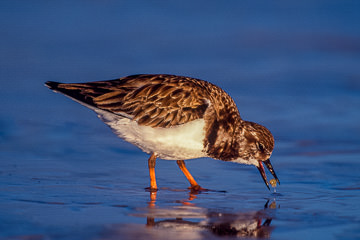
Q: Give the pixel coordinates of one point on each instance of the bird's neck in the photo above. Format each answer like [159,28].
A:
[223,142]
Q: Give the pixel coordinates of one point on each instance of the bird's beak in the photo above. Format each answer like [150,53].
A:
[271,170]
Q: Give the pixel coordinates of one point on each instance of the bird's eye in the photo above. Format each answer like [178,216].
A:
[260,146]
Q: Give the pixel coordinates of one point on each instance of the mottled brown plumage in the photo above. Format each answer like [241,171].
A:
[166,101]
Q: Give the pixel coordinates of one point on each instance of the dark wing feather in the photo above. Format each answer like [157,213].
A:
[151,100]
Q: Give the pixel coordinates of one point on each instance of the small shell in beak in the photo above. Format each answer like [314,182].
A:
[271,170]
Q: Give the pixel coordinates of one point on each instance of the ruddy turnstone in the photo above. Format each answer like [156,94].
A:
[175,118]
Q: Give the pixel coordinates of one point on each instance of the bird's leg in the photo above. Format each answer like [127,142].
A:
[194,185]
[151,163]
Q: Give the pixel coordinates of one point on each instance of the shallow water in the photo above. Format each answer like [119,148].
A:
[293,67]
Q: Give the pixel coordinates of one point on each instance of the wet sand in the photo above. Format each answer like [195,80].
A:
[292,68]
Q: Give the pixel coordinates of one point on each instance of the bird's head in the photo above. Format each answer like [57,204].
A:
[258,144]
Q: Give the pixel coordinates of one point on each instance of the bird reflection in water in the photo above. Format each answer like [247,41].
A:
[192,195]
[242,224]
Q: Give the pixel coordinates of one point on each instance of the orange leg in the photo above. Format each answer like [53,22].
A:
[194,185]
[151,163]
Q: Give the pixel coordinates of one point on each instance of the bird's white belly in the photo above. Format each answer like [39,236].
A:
[174,143]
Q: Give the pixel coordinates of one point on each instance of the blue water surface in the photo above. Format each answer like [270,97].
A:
[291,66]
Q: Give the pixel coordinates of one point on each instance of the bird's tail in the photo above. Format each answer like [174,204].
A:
[52,85]
[77,91]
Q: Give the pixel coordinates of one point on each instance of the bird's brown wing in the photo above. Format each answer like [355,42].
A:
[151,100]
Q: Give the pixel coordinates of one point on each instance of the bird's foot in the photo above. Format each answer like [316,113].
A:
[197,188]
[150,189]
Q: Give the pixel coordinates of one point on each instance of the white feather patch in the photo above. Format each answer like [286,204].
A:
[174,143]
[248,162]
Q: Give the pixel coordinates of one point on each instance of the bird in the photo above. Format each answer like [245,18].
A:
[177,118]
